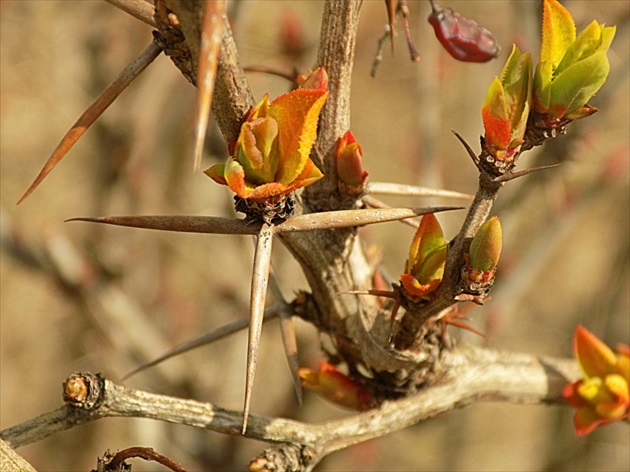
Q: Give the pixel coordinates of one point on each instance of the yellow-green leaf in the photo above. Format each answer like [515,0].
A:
[485,248]
[558,32]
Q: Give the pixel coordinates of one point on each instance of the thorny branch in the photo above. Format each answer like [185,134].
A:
[474,375]
[333,262]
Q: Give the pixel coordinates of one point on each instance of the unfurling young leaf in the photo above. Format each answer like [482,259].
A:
[571,70]
[506,107]
[602,396]
[337,387]
[349,156]
[271,155]
[427,256]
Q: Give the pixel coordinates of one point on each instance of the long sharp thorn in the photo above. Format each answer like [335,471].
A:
[346,218]
[95,110]
[179,223]
[516,175]
[469,150]
[260,277]
[208,54]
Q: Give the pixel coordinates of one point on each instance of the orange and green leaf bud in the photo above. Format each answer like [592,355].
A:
[271,155]
[337,387]
[506,107]
[349,156]
[571,70]
[317,79]
[427,257]
[603,395]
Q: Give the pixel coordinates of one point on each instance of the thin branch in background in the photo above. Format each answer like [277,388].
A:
[289,338]
[390,188]
[380,46]
[289,76]
[376,203]
[211,36]
[404,9]
[96,109]
[208,338]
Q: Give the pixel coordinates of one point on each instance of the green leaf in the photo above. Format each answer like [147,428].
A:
[577,84]
[585,45]
[542,86]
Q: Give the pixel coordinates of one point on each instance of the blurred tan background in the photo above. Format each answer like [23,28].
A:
[80,297]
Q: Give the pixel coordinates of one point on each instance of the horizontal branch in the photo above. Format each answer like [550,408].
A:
[474,375]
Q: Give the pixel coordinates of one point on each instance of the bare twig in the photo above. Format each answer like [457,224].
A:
[372,202]
[289,338]
[89,116]
[390,188]
[208,338]
[114,462]
[404,9]
[380,45]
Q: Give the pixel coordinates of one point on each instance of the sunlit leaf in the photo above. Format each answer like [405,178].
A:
[558,32]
